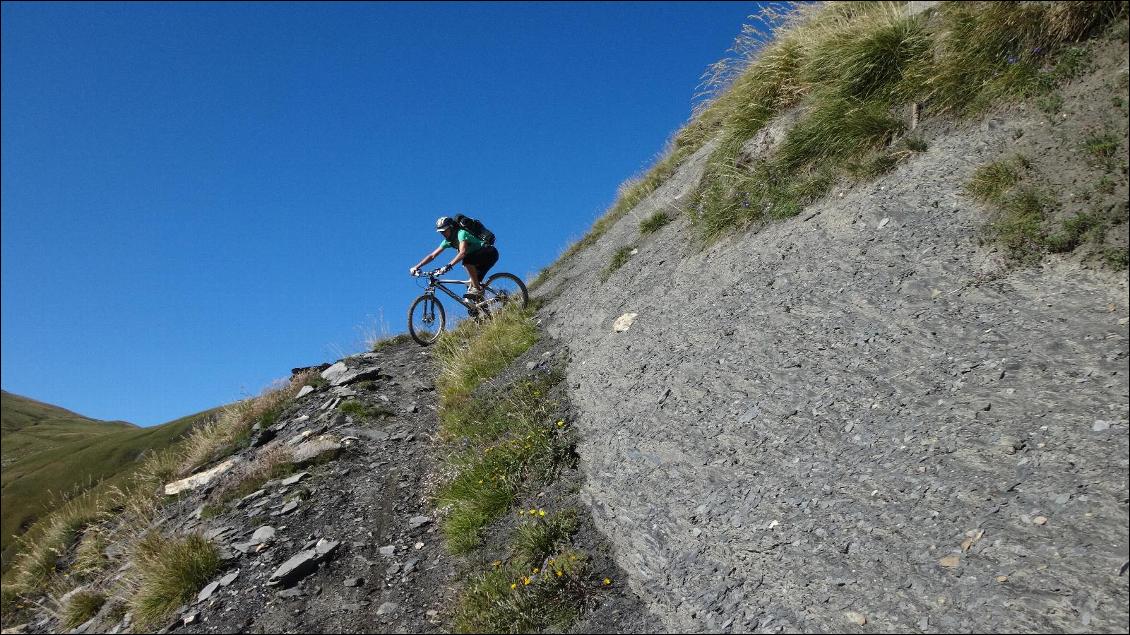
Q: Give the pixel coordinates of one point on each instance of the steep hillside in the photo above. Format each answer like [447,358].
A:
[335,508]
[852,356]
[51,454]
[898,404]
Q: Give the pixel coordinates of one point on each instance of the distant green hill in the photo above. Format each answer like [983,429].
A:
[48,452]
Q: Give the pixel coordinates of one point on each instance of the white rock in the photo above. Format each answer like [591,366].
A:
[263,534]
[335,371]
[624,322]
[883,223]
[305,390]
[200,479]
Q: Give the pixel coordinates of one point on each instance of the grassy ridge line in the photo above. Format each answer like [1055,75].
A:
[853,70]
[506,444]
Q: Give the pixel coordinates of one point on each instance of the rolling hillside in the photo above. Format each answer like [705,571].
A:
[50,453]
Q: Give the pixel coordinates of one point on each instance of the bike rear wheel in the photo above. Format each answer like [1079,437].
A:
[505,289]
[426,320]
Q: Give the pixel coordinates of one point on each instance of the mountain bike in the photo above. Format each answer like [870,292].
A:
[427,318]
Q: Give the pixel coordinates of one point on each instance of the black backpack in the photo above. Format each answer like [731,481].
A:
[475,228]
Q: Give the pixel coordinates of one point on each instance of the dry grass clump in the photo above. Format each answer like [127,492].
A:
[218,438]
[42,558]
[81,606]
[53,557]
[275,461]
[853,69]
[169,571]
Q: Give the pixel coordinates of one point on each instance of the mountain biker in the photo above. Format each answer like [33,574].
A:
[477,257]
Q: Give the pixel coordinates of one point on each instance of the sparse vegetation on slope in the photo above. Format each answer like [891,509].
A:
[170,570]
[51,455]
[511,443]
[858,75]
[1024,220]
[65,548]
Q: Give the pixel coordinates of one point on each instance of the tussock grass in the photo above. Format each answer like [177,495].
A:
[170,571]
[475,352]
[41,559]
[233,425]
[992,180]
[654,223]
[542,535]
[89,557]
[619,258]
[1018,224]
[53,557]
[852,71]
[379,344]
[82,606]
[511,444]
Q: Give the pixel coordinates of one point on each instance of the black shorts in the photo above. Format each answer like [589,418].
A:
[483,259]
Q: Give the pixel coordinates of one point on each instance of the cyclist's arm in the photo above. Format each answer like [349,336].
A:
[461,254]
[430,257]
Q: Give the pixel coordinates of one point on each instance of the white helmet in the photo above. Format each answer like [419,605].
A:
[443,222]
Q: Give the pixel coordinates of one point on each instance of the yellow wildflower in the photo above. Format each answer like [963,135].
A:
[558,573]
[525,581]
[607,582]
[514,585]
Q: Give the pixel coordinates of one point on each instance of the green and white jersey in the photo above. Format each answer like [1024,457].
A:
[473,243]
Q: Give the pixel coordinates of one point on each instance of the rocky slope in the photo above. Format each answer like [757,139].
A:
[862,416]
[345,538]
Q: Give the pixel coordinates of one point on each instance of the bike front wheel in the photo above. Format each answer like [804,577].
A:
[426,320]
[505,289]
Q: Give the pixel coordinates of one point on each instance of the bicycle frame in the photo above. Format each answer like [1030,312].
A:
[435,283]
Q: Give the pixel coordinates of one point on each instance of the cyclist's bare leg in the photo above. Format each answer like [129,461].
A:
[474,273]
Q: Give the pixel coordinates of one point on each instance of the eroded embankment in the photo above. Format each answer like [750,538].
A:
[860,414]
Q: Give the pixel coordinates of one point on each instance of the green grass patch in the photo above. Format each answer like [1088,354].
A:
[654,223]
[1018,224]
[357,409]
[992,180]
[512,445]
[1117,258]
[171,571]
[1104,147]
[387,342]
[475,352]
[82,606]
[515,598]
[542,534]
[1022,221]
[619,258]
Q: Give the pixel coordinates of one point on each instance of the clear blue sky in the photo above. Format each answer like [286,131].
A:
[198,197]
